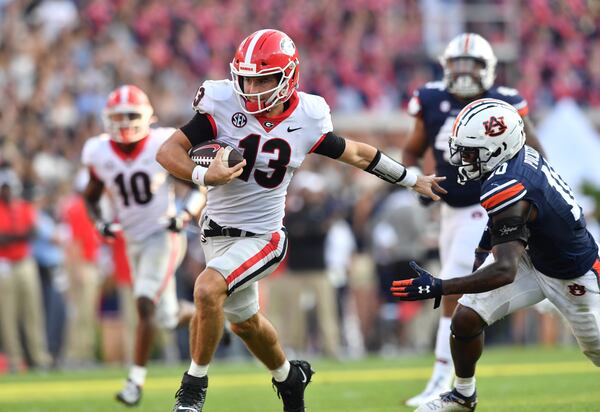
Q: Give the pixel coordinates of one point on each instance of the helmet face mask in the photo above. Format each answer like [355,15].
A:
[473,163]
[265,53]
[127,115]
[469,65]
[465,76]
[486,133]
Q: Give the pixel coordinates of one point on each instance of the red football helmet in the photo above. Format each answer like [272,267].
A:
[263,53]
[127,114]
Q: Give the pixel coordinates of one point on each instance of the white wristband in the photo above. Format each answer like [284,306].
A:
[198,175]
[410,179]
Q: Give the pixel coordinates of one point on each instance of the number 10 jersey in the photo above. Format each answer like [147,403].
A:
[139,188]
[274,147]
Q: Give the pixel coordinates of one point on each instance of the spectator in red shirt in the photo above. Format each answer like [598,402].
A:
[84,278]
[20,290]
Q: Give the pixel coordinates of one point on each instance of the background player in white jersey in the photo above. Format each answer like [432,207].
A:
[538,236]
[122,163]
[260,112]
[469,70]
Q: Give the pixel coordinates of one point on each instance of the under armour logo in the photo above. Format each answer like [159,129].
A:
[424,289]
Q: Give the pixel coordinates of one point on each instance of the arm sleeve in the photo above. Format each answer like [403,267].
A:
[331,145]
[199,129]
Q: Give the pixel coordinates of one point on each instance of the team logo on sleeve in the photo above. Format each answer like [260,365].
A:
[239,120]
[576,290]
[495,126]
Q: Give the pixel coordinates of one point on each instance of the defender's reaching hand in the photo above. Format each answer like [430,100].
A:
[424,286]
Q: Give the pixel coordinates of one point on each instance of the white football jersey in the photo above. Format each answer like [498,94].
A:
[138,185]
[273,148]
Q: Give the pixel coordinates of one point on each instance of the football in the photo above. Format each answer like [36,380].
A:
[203,154]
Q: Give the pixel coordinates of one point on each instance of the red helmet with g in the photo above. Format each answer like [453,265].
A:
[265,53]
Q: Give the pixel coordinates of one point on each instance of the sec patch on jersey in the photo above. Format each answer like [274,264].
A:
[203,154]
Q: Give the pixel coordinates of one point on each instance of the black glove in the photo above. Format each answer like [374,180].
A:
[106,229]
[424,286]
[425,200]
[176,224]
[480,257]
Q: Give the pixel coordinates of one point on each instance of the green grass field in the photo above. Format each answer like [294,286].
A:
[509,379]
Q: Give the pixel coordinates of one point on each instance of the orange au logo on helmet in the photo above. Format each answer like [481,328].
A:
[287,46]
[495,126]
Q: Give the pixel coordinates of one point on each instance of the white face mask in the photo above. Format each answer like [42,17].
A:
[464,76]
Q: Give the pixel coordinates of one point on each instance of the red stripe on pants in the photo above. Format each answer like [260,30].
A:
[264,252]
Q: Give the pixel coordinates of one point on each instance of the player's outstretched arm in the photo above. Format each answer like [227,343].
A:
[509,236]
[370,159]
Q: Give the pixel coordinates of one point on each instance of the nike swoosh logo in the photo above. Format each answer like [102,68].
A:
[290,130]
[304,378]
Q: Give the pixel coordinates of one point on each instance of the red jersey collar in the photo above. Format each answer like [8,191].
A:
[268,123]
[139,146]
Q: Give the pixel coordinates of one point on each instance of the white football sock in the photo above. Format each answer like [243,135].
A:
[443,354]
[280,374]
[465,386]
[197,370]
[137,374]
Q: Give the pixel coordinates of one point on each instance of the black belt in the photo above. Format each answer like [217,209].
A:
[214,229]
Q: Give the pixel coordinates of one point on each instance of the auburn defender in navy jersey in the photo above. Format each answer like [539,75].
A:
[469,70]
[538,237]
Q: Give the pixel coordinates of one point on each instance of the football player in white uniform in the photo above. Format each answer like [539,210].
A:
[122,162]
[275,126]
[469,71]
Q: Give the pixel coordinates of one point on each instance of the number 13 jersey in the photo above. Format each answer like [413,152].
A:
[274,147]
[138,186]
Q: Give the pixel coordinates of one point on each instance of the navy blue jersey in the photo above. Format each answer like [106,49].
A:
[438,109]
[559,244]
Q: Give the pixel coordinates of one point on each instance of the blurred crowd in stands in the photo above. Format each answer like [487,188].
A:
[60,58]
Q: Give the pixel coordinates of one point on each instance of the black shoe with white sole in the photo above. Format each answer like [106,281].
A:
[291,391]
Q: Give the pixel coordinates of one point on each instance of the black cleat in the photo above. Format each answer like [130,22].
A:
[191,394]
[291,391]
[130,395]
